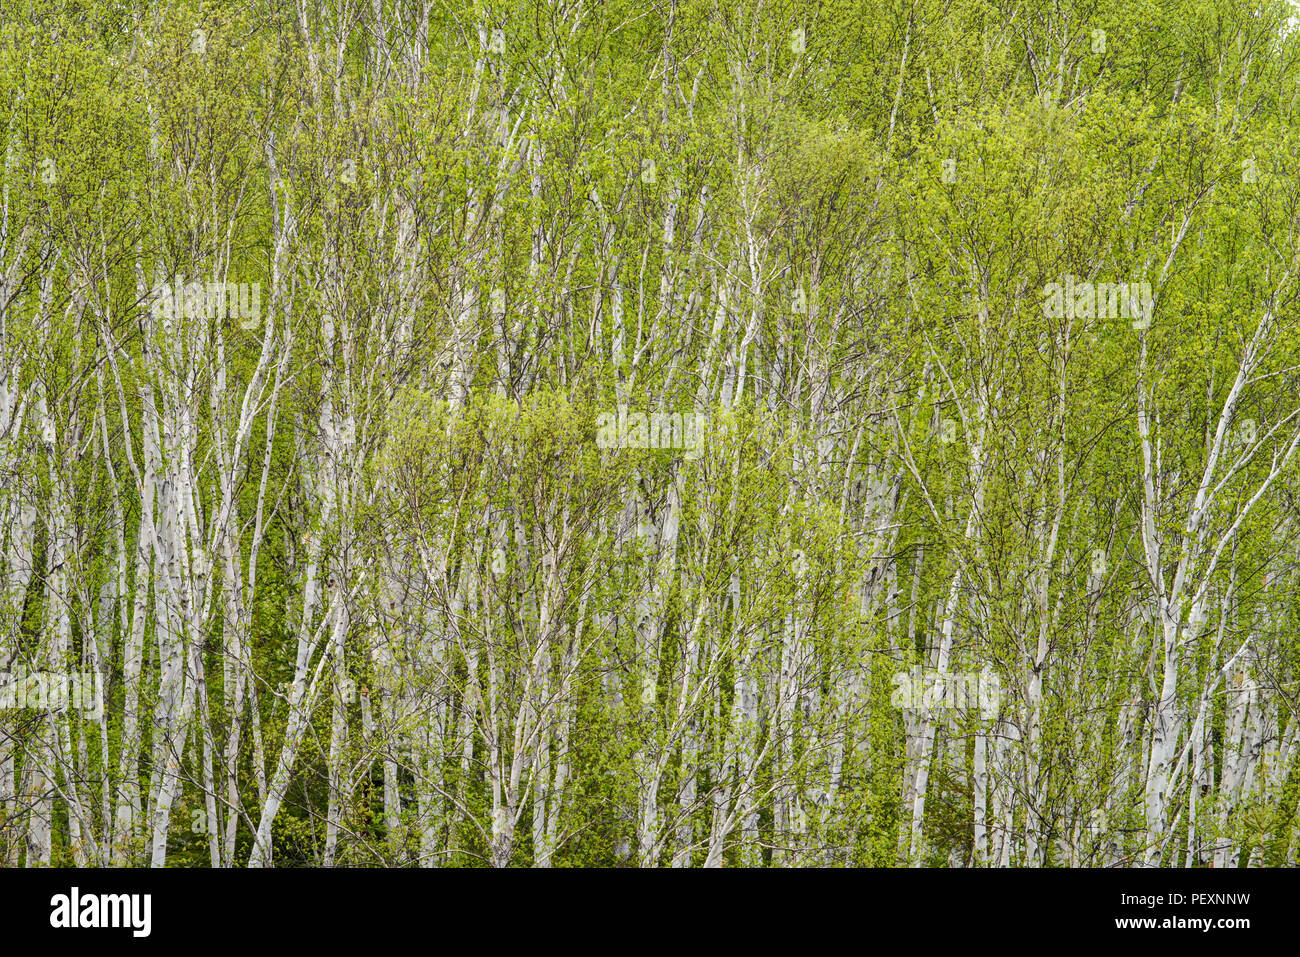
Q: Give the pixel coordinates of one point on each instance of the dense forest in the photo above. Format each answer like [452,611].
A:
[611,433]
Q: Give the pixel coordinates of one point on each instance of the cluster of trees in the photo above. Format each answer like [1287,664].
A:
[312,315]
